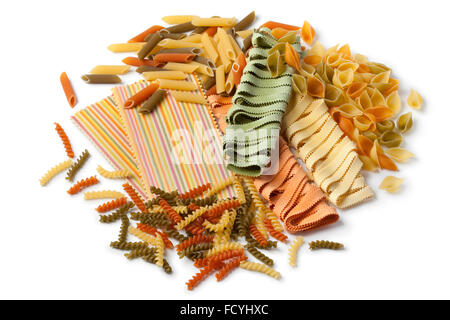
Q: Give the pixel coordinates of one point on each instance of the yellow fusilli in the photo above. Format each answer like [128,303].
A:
[104,194]
[258,267]
[119,174]
[293,251]
[54,171]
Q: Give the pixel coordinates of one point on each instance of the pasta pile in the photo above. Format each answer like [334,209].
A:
[299,125]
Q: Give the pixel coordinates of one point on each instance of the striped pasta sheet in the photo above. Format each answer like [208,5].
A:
[177,146]
[101,123]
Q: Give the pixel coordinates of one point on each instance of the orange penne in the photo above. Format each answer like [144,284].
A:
[238,68]
[174,57]
[292,57]
[211,31]
[68,89]
[272,25]
[308,33]
[141,37]
[135,62]
[141,96]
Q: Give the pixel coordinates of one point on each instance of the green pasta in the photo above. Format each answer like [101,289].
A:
[192,50]
[254,243]
[175,234]
[247,43]
[138,253]
[101,78]
[391,139]
[151,258]
[199,202]
[194,248]
[77,165]
[154,39]
[197,255]
[117,214]
[153,101]
[405,122]
[322,244]
[124,228]
[246,22]
[206,62]
[181,28]
[259,255]
[163,194]
[384,126]
[142,69]
[128,245]
[275,64]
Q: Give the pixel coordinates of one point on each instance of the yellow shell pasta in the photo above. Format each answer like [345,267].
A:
[399,154]
[391,184]
[394,102]
[415,100]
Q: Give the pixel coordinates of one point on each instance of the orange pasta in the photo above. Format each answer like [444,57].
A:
[135,62]
[274,233]
[111,205]
[153,231]
[68,89]
[141,37]
[65,140]
[356,89]
[308,33]
[174,57]
[380,113]
[141,96]
[272,25]
[195,192]
[238,68]
[292,57]
[211,31]
[173,215]
[82,184]
[229,267]
[315,87]
[313,60]
[134,197]
[279,33]
[194,240]
[257,235]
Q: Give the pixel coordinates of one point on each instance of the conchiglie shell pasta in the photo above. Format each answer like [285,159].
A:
[391,184]
[415,100]
[405,122]
[399,154]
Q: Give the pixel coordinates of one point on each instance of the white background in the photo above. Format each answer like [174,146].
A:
[52,245]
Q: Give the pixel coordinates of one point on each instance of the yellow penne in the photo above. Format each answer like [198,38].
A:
[223,57]
[229,83]
[224,41]
[220,79]
[236,47]
[174,44]
[214,22]
[126,47]
[176,85]
[178,19]
[184,67]
[210,49]
[244,33]
[171,75]
[202,68]
[110,69]
[188,97]
[194,38]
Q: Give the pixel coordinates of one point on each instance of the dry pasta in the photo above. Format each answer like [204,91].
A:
[188,97]
[391,184]
[104,194]
[54,171]
[119,174]
[110,69]
[170,75]
[293,249]
[259,267]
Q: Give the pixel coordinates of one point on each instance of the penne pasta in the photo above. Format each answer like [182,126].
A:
[153,101]
[178,19]
[170,75]
[194,38]
[126,47]
[238,68]
[196,51]
[68,89]
[141,37]
[203,69]
[245,22]
[224,57]
[237,49]
[150,45]
[205,61]
[184,67]
[225,42]
[220,79]
[181,28]
[177,85]
[214,22]
[173,44]
[272,25]
[188,97]
[101,78]
[244,33]
[209,47]
[141,96]
[229,83]
[143,69]
[136,62]
[110,69]
[174,57]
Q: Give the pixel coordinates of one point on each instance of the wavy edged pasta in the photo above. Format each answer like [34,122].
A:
[391,184]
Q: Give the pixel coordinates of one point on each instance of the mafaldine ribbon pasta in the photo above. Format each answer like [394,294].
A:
[327,152]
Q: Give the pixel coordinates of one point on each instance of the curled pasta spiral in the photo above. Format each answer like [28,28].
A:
[274,220]
[128,245]
[219,187]
[221,256]
[116,214]
[239,190]
[151,258]
[82,184]
[293,251]
[77,165]
[195,192]
[229,267]
[257,235]
[105,194]
[65,140]
[124,228]
[199,202]
[258,267]
[173,215]
[137,253]
[177,209]
[54,171]
[224,220]
[159,251]
[224,247]
[322,244]
[134,197]
[200,276]
[111,205]
[274,233]
[175,234]
[190,218]
[259,255]
[118,174]
[194,240]
[194,248]
[153,231]
[143,236]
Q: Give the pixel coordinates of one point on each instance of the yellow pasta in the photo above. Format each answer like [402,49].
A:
[295,246]
[203,69]
[259,267]
[391,184]
[175,44]
[220,79]
[119,174]
[188,97]
[54,171]
[104,194]
[343,79]
[190,218]
[244,33]
[177,85]
[225,41]
[316,50]
[143,236]
[226,62]
[214,22]
[259,221]
[178,209]
[236,47]
[159,250]
[178,19]
[394,102]
[183,67]
[224,247]
[229,83]
[220,226]
[219,187]
[415,100]
[110,69]
[126,47]
[405,122]
[210,48]
[194,38]
[239,190]
[170,75]
[399,154]
[274,220]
